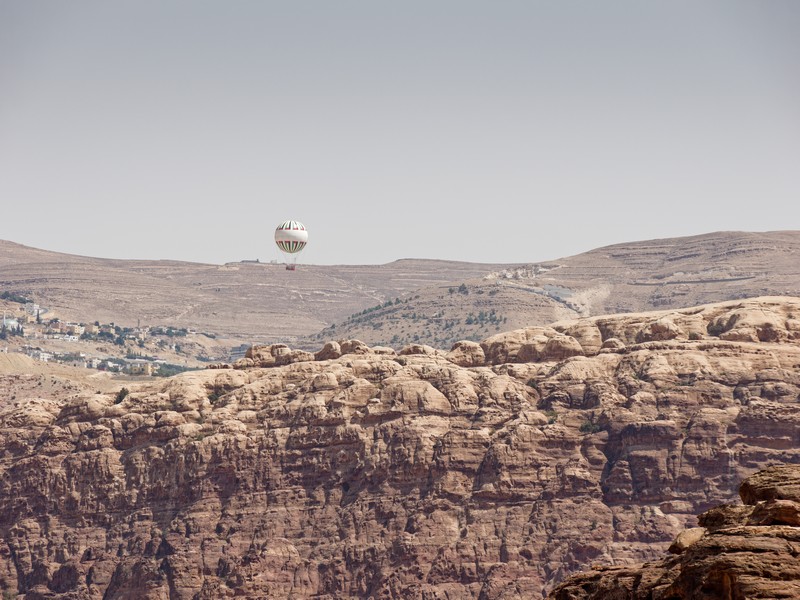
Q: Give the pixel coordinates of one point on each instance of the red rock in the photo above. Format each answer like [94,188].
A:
[384,476]
[749,552]
[466,354]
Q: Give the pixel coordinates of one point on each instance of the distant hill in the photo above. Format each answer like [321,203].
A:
[249,301]
[429,301]
[629,277]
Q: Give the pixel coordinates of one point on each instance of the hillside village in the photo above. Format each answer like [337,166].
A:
[35,331]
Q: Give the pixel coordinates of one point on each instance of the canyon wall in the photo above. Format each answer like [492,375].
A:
[746,550]
[492,471]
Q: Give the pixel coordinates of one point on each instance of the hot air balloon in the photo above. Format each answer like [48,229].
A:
[291,237]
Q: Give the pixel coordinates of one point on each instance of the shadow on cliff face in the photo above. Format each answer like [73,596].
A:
[739,551]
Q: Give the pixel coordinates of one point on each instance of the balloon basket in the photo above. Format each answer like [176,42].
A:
[291,267]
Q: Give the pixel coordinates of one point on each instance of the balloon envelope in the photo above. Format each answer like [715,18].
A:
[291,236]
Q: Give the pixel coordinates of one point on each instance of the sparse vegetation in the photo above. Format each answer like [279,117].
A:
[14,297]
[168,370]
[483,318]
[121,395]
[5,332]
[169,331]
[590,427]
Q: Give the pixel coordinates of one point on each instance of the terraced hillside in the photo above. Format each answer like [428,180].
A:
[635,276]
[433,302]
[247,300]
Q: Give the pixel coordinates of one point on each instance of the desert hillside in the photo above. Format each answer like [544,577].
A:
[742,550]
[407,301]
[245,300]
[635,276]
[491,471]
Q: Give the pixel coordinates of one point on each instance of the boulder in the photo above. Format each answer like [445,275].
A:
[330,351]
[560,347]
[420,349]
[659,330]
[466,354]
[613,344]
[353,347]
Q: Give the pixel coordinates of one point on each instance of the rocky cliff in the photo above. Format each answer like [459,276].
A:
[740,551]
[491,471]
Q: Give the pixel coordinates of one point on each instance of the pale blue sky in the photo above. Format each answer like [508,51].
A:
[493,131]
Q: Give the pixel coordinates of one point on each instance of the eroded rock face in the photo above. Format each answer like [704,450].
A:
[359,473]
[745,551]
[466,354]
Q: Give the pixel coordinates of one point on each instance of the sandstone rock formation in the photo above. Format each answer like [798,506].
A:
[488,472]
[745,551]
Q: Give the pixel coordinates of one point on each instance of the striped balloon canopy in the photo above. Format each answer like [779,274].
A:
[291,236]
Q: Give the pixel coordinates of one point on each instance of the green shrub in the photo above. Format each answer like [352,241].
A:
[590,427]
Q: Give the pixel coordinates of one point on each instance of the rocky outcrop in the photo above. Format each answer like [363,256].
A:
[467,354]
[358,472]
[747,551]
[757,320]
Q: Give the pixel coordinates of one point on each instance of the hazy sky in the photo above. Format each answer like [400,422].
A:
[493,131]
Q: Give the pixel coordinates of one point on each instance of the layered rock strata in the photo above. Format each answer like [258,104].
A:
[740,551]
[492,471]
